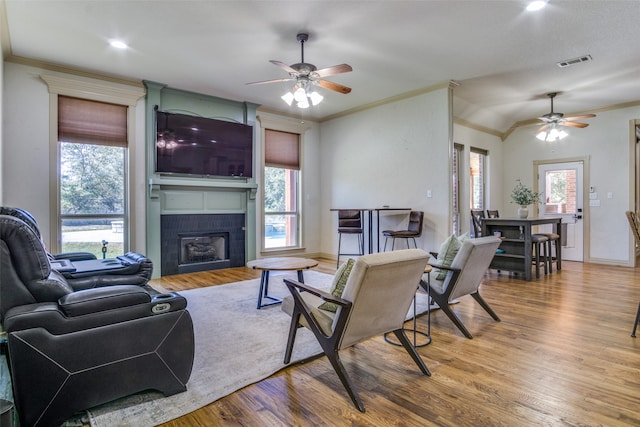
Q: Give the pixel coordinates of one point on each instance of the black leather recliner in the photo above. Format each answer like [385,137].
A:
[73,349]
[83,270]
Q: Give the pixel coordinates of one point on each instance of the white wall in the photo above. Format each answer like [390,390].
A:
[388,155]
[606,144]
[26,142]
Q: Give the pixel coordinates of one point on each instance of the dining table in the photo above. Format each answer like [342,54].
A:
[370,212]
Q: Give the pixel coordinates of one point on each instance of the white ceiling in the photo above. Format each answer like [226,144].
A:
[503,57]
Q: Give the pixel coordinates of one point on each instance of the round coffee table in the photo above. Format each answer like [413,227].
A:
[278,264]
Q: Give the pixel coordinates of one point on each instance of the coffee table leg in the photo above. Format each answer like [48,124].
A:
[300,276]
[264,291]
[263,277]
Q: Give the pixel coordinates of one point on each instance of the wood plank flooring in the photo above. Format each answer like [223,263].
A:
[561,356]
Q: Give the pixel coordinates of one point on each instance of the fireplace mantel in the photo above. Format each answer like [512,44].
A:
[159,182]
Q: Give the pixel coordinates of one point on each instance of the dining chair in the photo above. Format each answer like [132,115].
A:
[477,215]
[492,213]
[635,324]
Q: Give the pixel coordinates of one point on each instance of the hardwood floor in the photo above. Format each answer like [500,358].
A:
[562,356]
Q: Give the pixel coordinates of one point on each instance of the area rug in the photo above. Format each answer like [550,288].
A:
[235,345]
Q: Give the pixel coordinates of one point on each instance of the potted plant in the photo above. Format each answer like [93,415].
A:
[524,196]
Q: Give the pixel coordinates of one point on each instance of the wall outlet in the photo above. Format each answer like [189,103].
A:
[428,194]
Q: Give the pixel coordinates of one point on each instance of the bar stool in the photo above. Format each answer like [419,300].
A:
[350,222]
[414,229]
[554,240]
[539,242]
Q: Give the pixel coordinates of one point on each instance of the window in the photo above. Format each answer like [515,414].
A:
[455,187]
[477,159]
[92,139]
[281,190]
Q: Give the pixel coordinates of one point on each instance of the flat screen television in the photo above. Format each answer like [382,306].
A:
[192,145]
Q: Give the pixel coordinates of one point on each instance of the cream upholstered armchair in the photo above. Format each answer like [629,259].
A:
[464,277]
[375,300]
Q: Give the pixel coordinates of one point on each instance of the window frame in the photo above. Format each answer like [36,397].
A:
[112,92]
[483,176]
[296,127]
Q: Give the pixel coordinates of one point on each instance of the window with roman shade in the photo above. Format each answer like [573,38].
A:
[280,190]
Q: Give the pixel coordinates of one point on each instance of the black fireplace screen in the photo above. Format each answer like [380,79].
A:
[203,248]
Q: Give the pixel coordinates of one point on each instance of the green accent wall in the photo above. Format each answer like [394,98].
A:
[197,194]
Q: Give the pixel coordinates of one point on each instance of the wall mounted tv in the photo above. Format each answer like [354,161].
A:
[192,145]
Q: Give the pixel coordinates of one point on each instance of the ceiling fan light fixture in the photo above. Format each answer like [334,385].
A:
[300,95]
[536,5]
[288,98]
[316,98]
[552,134]
[304,103]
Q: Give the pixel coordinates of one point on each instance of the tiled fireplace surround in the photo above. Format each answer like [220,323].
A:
[180,231]
[199,215]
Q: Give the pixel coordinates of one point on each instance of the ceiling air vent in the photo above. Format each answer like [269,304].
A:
[574,61]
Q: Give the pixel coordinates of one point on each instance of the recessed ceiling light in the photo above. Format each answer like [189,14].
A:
[536,5]
[118,44]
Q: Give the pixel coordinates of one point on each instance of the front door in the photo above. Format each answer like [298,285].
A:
[562,188]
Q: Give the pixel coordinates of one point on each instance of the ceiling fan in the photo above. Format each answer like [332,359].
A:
[553,122]
[306,76]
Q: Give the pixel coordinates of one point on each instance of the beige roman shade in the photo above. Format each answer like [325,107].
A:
[91,122]
[282,149]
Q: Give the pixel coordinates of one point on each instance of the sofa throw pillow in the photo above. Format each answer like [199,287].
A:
[339,282]
[446,254]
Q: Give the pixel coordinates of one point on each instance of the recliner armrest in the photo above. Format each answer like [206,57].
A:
[74,256]
[50,316]
[100,299]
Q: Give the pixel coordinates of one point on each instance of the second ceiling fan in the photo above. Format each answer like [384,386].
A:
[553,122]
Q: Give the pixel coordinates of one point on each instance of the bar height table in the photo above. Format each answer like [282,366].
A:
[370,212]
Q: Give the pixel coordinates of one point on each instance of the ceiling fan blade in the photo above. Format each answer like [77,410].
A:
[271,81]
[575,124]
[541,128]
[284,66]
[331,71]
[585,116]
[333,86]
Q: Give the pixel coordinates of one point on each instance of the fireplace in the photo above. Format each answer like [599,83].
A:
[202,251]
[200,242]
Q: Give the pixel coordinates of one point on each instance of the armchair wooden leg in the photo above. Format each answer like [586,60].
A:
[484,305]
[334,358]
[293,328]
[402,337]
[635,325]
[444,306]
